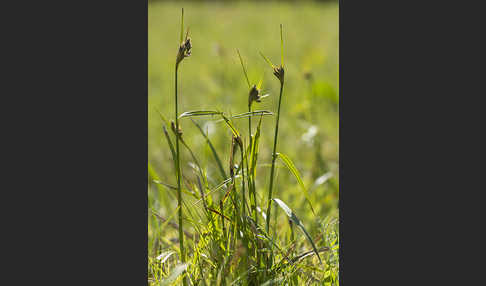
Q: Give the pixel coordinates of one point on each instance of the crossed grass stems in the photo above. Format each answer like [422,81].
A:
[236,226]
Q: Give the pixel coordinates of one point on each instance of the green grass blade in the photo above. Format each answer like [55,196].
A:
[259,85]
[296,174]
[182,26]
[162,116]
[252,113]
[164,184]
[231,126]
[215,154]
[297,222]
[244,69]
[267,60]
[176,272]
[172,150]
[171,147]
[254,152]
[199,113]
[281,47]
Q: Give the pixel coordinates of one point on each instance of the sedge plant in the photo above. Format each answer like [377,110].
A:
[227,244]
[184,51]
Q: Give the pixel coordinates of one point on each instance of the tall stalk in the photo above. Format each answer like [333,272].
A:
[253,95]
[184,51]
[278,71]
[178,171]
[251,180]
[274,157]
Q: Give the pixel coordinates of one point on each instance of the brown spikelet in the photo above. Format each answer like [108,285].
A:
[279,73]
[254,95]
[184,49]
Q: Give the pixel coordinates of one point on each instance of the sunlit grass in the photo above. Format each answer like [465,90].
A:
[226,242]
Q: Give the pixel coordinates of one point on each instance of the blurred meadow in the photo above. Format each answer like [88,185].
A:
[212,79]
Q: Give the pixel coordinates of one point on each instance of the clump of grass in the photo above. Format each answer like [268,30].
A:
[221,240]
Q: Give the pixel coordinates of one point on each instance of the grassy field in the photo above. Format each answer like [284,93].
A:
[212,79]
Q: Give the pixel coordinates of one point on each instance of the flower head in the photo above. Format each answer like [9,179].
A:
[184,49]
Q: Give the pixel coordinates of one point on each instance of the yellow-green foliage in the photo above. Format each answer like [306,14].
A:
[212,79]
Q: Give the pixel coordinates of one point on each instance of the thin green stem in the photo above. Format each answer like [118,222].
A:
[274,157]
[244,206]
[251,179]
[243,191]
[178,168]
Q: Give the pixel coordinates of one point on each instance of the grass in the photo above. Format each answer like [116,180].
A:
[210,227]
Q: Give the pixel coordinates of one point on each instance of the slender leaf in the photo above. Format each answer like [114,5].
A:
[231,126]
[296,174]
[164,184]
[244,69]
[176,272]
[172,150]
[199,113]
[267,60]
[281,47]
[182,26]
[252,113]
[215,154]
[254,152]
[297,222]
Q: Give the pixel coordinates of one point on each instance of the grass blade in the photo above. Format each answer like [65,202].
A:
[231,126]
[259,85]
[254,152]
[244,69]
[215,154]
[182,26]
[176,272]
[297,222]
[267,60]
[199,113]
[164,184]
[296,174]
[252,113]
[171,147]
[281,47]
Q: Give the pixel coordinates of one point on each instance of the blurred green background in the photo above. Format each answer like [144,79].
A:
[212,78]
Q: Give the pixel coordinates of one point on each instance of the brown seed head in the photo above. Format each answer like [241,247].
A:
[254,95]
[184,50]
[279,73]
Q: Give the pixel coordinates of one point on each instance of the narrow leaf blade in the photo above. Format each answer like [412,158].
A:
[176,272]
[288,163]
[215,154]
[267,60]
[244,69]
[182,26]
[297,222]
[252,113]
[281,47]
[199,113]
